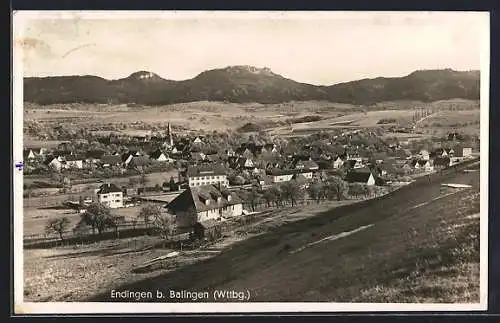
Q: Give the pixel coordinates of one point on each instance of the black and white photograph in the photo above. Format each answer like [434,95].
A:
[239,161]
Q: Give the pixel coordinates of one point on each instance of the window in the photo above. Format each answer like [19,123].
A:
[117,201]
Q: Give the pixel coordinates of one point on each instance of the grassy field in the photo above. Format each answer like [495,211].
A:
[406,239]
[76,273]
[34,219]
[223,116]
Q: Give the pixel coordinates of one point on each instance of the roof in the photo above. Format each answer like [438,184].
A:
[205,170]
[73,157]
[422,162]
[310,164]
[139,161]
[108,188]
[280,172]
[156,154]
[358,176]
[196,197]
[111,159]
[95,154]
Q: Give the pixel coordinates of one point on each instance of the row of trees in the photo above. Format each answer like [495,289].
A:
[292,192]
[99,218]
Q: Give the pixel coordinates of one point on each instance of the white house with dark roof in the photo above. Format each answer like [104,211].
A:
[206,175]
[280,176]
[110,195]
[204,203]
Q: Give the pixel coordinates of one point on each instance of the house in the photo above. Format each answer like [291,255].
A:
[29,154]
[361,176]
[204,203]
[424,154]
[212,158]
[354,163]
[338,162]
[197,140]
[159,156]
[230,152]
[245,163]
[280,176]
[425,165]
[138,162]
[439,152]
[110,195]
[461,151]
[54,163]
[111,160]
[94,156]
[197,156]
[206,175]
[73,161]
[307,165]
[36,152]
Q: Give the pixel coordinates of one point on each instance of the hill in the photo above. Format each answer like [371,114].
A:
[241,84]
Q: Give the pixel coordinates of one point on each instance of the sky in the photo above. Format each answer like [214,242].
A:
[319,48]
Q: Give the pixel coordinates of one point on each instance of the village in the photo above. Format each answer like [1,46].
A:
[214,177]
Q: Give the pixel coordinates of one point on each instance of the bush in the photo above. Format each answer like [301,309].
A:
[386,121]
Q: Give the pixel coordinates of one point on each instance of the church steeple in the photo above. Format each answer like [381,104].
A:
[169,134]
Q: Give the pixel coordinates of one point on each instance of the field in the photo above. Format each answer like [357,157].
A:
[281,256]
[230,116]
[34,219]
[344,256]
[76,273]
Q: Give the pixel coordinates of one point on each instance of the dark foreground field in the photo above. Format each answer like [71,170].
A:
[419,244]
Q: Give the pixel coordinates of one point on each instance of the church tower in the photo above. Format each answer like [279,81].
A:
[169,134]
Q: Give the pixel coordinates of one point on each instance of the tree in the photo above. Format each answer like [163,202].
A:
[143,180]
[97,216]
[356,189]
[291,191]
[114,221]
[270,197]
[336,187]
[164,225]
[253,198]
[149,212]
[315,191]
[58,225]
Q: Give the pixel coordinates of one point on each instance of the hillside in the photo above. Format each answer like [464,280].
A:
[242,84]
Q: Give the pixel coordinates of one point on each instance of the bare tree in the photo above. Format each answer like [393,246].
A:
[164,225]
[149,212]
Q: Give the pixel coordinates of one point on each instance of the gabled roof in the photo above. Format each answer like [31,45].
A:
[73,157]
[196,197]
[202,170]
[108,188]
[422,162]
[358,176]
[139,161]
[156,154]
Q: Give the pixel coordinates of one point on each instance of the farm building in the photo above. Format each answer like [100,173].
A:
[204,203]
[364,176]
